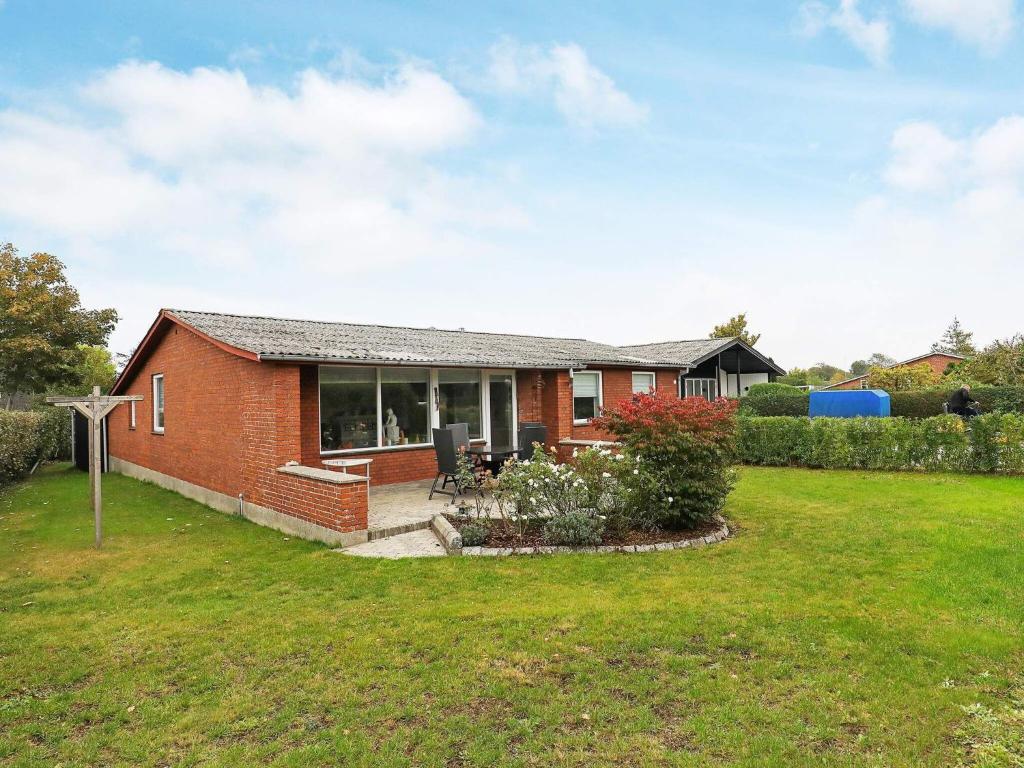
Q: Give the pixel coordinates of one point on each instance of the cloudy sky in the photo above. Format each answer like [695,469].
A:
[848,173]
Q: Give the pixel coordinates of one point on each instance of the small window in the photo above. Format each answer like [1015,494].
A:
[643,383]
[863,383]
[706,388]
[131,414]
[158,403]
[586,396]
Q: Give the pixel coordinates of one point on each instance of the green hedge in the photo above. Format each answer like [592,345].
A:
[922,403]
[775,402]
[30,436]
[990,443]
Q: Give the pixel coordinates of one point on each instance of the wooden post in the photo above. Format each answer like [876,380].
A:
[95,408]
[97,468]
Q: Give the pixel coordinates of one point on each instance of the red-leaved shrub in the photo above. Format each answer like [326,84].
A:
[685,448]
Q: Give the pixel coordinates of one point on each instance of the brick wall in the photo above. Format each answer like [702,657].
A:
[937,362]
[229,423]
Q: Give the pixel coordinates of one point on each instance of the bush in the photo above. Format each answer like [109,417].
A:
[773,388]
[473,534]
[27,437]
[575,529]
[922,403]
[989,443]
[681,450]
[775,399]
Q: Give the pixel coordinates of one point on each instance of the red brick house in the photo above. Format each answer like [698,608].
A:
[240,412]
[938,361]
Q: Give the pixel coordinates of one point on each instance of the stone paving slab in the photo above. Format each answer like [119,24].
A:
[423,543]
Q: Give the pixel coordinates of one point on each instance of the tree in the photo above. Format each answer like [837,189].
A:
[96,369]
[735,327]
[42,324]
[859,367]
[838,377]
[1000,363]
[881,360]
[956,341]
[802,377]
[826,372]
[901,378]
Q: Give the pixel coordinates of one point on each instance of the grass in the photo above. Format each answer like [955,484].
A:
[857,619]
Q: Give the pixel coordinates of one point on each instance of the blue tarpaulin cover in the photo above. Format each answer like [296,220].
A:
[850,402]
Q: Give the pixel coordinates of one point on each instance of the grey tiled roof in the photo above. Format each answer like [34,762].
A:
[678,351]
[275,338]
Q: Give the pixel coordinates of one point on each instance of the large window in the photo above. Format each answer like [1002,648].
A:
[586,395]
[348,408]
[643,382]
[706,388]
[405,405]
[158,402]
[458,399]
[363,408]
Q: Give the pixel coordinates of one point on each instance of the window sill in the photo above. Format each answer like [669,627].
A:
[157,432]
[581,422]
[390,448]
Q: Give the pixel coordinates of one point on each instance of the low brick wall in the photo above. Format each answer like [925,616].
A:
[334,500]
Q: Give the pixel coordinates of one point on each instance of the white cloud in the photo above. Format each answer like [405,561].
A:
[987,24]
[872,37]
[206,166]
[923,157]
[583,94]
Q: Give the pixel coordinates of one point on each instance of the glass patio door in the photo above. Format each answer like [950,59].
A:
[501,404]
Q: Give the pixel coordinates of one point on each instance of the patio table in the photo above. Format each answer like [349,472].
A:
[492,456]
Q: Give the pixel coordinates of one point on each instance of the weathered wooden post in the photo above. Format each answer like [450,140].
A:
[95,408]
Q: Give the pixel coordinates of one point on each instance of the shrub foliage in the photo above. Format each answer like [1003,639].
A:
[992,442]
[27,437]
[684,449]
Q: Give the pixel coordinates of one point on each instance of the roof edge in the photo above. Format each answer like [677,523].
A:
[164,317]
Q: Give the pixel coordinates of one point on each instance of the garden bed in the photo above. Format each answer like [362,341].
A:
[503,535]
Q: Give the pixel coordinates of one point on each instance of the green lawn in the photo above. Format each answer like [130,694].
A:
[854,620]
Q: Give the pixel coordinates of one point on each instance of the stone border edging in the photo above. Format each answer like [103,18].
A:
[712,538]
[450,538]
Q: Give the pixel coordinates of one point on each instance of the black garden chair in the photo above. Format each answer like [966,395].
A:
[530,433]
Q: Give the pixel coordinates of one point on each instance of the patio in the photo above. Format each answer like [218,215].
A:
[404,507]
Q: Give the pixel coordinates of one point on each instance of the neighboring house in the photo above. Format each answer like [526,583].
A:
[938,361]
[240,412]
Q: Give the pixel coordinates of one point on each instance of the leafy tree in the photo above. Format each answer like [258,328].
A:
[901,378]
[859,367]
[43,326]
[956,341]
[881,360]
[1000,363]
[802,377]
[735,327]
[96,369]
[837,377]
[826,372]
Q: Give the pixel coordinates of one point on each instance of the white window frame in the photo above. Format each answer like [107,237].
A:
[159,404]
[705,388]
[433,407]
[654,381]
[131,414]
[600,395]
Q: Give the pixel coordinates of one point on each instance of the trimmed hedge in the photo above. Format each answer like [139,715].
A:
[992,442]
[914,404]
[30,436]
[922,403]
[775,402]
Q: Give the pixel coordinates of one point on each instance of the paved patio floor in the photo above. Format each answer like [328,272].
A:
[422,543]
[404,507]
